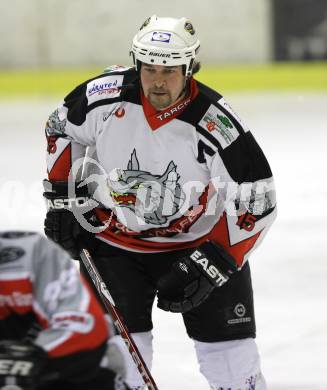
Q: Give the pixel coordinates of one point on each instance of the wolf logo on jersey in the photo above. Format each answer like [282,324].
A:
[151,197]
[54,125]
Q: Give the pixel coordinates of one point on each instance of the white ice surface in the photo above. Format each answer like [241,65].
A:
[289,269]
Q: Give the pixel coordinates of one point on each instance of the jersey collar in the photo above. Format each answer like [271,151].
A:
[157,118]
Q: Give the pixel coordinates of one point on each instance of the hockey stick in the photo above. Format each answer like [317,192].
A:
[112,309]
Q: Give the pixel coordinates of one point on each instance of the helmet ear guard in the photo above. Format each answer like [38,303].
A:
[166,42]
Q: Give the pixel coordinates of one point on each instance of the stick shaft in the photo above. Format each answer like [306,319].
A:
[117,318]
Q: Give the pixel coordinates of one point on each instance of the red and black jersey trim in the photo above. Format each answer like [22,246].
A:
[61,168]
[220,234]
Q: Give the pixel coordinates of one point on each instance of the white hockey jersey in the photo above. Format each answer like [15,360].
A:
[163,180]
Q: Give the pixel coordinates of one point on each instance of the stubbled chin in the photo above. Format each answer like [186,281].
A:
[160,103]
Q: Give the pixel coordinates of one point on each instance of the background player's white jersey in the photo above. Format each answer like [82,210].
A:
[43,298]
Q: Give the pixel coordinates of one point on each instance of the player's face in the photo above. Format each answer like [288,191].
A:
[162,85]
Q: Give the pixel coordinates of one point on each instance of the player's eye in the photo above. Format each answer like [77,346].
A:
[149,70]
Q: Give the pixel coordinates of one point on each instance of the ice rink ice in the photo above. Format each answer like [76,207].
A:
[289,269]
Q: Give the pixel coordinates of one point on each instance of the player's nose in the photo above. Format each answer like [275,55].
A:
[159,82]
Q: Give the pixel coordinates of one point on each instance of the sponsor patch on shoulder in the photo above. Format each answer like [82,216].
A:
[223,103]
[219,125]
[104,88]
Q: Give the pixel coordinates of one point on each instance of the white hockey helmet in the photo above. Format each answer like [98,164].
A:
[167,42]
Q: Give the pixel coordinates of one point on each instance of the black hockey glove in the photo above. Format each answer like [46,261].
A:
[20,365]
[60,224]
[192,278]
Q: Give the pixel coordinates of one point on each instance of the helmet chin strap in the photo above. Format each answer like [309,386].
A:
[186,88]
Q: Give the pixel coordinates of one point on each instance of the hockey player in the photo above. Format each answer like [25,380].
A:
[53,333]
[176,194]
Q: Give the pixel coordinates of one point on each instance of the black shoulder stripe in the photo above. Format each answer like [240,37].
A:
[211,94]
[103,102]
[76,103]
[209,137]
[131,92]
[198,107]
[245,161]
[194,111]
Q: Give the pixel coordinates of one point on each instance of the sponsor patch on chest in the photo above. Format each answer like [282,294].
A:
[104,88]
[219,125]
